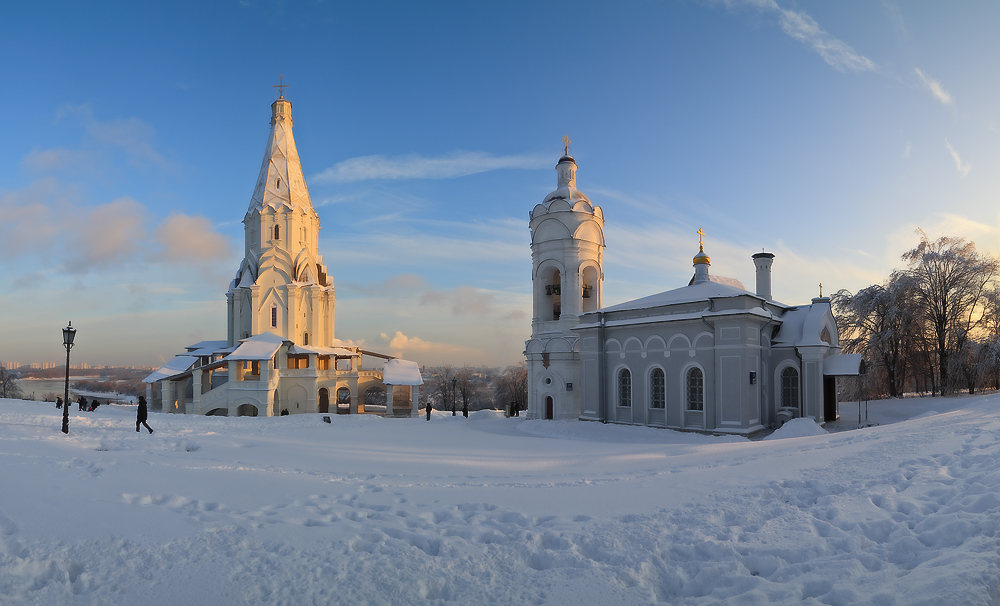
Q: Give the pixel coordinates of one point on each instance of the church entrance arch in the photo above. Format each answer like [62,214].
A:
[549,408]
[324,400]
[343,401]
[246,410]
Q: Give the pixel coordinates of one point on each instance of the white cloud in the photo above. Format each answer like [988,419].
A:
[190,239]
[133,136]
[402,345]
[960,166]
[413,166]
[934,86]
[804,28]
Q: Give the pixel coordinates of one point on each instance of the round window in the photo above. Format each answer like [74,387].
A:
[548,381]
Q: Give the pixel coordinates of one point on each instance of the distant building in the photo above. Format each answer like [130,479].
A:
[710,356]
[280,353]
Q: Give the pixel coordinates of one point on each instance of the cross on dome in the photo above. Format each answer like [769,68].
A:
[566,141]
[701,238]
[281,86]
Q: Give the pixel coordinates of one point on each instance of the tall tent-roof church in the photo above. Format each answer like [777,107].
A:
[709,356]
[280,355]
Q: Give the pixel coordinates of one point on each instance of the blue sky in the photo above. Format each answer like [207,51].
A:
[824,132]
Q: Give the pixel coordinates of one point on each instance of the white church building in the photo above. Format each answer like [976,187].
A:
[709,356]
[280,355]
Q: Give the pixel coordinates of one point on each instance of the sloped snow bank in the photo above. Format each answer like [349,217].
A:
[798,428]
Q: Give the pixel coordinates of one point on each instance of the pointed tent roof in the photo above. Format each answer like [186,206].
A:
[280,182]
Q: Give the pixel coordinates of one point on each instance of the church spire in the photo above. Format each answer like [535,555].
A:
[280,182]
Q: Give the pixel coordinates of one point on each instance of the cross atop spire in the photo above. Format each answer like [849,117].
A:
[566,141]
[701,239]
[281,86]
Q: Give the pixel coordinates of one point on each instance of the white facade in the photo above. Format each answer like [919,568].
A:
[709,356]
[280,355]
[567,250]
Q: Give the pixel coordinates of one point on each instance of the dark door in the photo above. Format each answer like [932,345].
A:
[830,399]
[548,407]
[324,400]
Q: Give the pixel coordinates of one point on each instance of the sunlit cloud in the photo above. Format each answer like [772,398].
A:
[190,239]
[805,29]
[960,166]
[403,345]
[413,166]
[934,86]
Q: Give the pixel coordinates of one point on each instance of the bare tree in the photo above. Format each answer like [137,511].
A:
[512,387]
[880,322]
[950,279]
[8,384]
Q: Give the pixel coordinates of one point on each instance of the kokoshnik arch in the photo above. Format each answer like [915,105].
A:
[710,356]
[280,355]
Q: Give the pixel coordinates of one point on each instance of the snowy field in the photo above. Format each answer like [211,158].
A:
[487,510]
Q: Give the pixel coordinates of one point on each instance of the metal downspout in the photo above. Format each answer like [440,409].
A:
[601,364]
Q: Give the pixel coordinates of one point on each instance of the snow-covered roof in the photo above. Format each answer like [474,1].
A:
[803,325]
[213,345]
[842,365]
[258,347]
[174,367]
[323,351]
[401,372]
[685,294]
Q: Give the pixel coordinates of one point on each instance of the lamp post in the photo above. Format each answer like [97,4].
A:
[453,382]
[69,333]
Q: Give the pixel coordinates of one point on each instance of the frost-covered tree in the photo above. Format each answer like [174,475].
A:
[950,280]
[880,323]
[8,384]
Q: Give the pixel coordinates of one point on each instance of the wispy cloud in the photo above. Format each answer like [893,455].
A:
[805,29]
[934,86]
[960,166]
[413,166]
[133,136]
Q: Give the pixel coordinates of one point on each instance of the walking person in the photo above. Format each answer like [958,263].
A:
[59,402]
[140,416]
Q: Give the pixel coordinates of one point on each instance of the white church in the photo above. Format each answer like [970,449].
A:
[709,356]
[280,355]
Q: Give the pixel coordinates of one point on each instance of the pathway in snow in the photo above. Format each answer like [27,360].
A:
[491,510]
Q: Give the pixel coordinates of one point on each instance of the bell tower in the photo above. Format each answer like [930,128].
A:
[567,251]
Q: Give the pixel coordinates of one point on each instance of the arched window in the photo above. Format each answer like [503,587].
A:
[790,388]
[657,389]
[274,317]
[695,389]
[277,233]
[624,387]
[343,396]
[305,338]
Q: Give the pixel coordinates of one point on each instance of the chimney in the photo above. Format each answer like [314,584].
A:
[762,261]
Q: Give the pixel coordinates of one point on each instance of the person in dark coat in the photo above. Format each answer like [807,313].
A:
[59,402]
[140,416]
[82,402]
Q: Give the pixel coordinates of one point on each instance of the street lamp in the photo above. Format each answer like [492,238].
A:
[69,333]
[453,382]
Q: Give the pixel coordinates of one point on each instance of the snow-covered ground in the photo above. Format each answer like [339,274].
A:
[487,510]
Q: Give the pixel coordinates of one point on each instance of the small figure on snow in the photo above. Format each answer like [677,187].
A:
[59,402]
[141,414]
[82,402]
